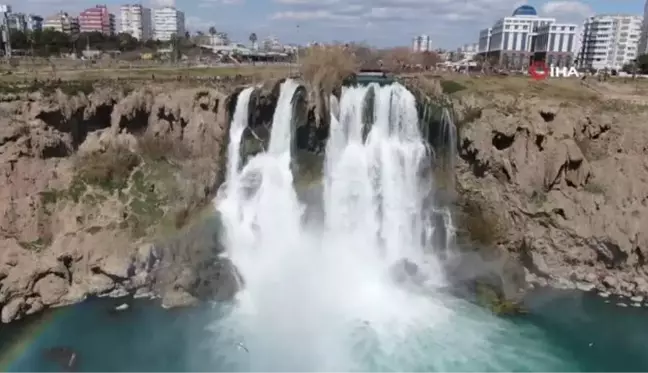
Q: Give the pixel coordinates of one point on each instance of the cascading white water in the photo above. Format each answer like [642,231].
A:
[238,126]
[449,138]
[325,297]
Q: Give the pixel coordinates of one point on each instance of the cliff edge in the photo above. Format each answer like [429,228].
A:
[90,180]
[555,175]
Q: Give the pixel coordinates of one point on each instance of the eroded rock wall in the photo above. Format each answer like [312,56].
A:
[566,185]
[89,181]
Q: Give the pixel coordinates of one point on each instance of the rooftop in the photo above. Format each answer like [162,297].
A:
[525,10]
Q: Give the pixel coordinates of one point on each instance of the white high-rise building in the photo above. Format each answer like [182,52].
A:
[468,50]
[422,43]
[168,21]
[610,41]
[135,20]
[62,22]
[557,42]
[484,40]
[642,48]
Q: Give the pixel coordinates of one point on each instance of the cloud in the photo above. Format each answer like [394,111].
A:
[567,9]
[35,4]
[397,20]
[162,3]
[194,23]
[214,3]
[385,10]
[303,15]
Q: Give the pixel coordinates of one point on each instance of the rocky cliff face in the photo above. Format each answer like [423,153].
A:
[88,181]
[98,190]
[560,187]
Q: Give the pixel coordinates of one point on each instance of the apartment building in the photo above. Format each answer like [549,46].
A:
[97,19]
[62,22]
[610,41]
[272,44]
[135,20]
[24,22]
[422,43]
[468,50]
[168,21]
[642,48]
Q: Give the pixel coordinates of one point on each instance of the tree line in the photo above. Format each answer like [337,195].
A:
[639,66]
[48,42]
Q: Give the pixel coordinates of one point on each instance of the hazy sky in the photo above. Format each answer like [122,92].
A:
[450,23]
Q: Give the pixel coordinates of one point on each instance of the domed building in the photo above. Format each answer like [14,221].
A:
[525,10]
[514,41]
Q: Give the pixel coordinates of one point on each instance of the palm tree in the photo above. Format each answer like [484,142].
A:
[253,39]
[212,32]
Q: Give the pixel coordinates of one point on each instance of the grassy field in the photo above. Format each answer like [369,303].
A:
[570,90]
[149,72]
[574,90]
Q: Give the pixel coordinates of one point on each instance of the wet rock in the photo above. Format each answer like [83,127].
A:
[119,292]
[561,283]
[591,278]
[637,299]
[583,286]
[12,309]
[406,271]
[192,263]
[144,293]
[641,286]
[178,298]
[610,282]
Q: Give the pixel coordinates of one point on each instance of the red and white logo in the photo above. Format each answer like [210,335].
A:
[538,70]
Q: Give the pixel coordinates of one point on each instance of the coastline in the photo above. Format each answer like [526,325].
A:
[607,295]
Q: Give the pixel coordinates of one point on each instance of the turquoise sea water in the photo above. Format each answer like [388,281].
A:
[564,331]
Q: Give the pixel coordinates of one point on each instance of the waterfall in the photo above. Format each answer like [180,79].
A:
[358,290]
[448,140]
[238,126]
